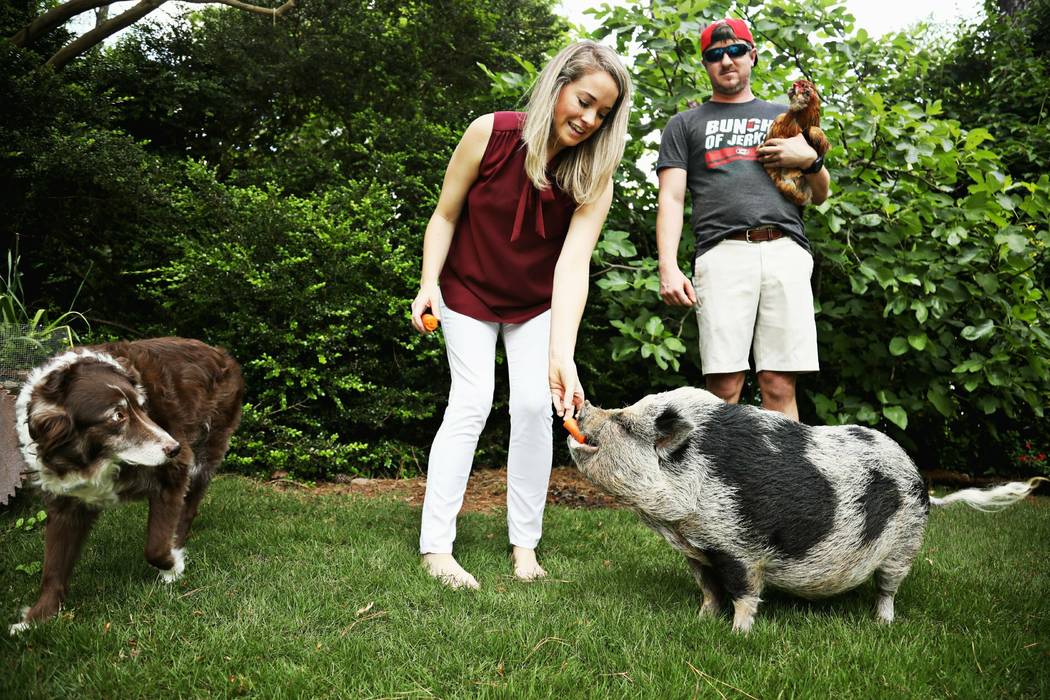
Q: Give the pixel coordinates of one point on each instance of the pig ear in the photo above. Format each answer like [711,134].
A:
[672,430]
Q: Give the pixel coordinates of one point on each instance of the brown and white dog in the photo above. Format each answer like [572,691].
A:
[101,424]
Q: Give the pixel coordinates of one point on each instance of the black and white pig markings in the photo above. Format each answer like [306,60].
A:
[751,497]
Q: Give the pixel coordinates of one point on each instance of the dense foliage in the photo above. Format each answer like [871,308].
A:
[265,185]
[931,258]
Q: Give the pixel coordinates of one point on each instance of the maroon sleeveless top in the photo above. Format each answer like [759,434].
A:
[500,266]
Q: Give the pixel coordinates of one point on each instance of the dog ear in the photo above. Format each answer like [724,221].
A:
[672,430]
[49,427]
[54,386]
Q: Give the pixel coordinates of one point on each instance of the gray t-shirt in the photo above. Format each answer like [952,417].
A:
[715,144]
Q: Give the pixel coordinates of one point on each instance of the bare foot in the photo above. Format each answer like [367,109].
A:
[526,567]
[446,569]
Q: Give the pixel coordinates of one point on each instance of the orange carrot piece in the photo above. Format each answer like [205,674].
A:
[573,427]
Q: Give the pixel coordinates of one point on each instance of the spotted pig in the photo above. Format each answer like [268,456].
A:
[753,498]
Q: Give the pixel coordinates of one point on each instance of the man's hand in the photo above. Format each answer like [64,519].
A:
[675,288]
[787,153]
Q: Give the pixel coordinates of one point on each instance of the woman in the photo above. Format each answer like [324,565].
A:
[507,249]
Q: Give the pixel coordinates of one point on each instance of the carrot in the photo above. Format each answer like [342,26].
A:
[430,322]
[573,427]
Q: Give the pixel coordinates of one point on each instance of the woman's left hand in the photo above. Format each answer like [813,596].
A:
[566,391]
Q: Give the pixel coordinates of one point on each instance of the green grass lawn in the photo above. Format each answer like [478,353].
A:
[288,595]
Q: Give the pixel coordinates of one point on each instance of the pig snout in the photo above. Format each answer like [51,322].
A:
[586,419]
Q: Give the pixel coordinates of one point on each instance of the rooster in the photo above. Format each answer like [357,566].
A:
[802,117]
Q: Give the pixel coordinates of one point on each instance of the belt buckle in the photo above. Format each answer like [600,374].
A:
[747,236]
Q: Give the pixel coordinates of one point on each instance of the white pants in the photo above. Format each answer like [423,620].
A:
[471,347]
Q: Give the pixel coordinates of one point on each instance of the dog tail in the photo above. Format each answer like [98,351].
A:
[991,499]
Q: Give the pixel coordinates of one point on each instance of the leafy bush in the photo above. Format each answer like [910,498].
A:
[311,296]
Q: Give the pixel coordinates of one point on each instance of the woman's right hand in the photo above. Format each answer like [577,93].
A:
[566,390]
[427,298]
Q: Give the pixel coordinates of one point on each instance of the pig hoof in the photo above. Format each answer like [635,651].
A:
[710,609]
[743,626]
[885,610]
[175,572]
[744,613]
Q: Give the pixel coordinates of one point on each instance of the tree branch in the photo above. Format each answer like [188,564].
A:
[247,7]
[85,41]
[104,27]
[55,17]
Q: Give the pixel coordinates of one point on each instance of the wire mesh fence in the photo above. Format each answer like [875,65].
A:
[23,347]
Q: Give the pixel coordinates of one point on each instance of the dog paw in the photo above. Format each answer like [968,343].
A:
[175,572]
[22,626]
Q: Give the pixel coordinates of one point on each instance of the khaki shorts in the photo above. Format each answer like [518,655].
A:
[760,293]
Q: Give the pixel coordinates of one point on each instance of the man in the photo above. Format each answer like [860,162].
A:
[751,277]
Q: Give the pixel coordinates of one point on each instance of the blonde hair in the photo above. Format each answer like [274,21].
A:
[583,170]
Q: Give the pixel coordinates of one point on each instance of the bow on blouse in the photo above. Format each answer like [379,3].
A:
[531,198]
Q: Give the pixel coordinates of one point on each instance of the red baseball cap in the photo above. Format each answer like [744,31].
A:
[738,26]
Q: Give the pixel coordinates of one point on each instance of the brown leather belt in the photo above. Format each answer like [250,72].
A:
[758,235]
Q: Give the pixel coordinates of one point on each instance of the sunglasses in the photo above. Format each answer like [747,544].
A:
[734,50]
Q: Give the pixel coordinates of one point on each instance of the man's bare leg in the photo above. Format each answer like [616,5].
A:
[778,392]
[726,386]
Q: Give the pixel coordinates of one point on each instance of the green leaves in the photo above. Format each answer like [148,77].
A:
[918,341]
[896,415]
[31,523]
[981,330]
[976,137]
[313,296]
[650,339]
[617,244]
[941,401]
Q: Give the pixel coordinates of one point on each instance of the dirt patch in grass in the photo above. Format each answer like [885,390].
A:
[486,489]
